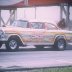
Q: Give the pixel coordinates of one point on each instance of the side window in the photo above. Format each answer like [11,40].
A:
[51,27]
[36,25]
[18,23]
[23,24]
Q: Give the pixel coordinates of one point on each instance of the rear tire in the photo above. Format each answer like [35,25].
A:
[12,44]
[60,44]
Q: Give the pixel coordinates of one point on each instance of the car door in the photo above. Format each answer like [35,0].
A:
[38,31]
[49,33]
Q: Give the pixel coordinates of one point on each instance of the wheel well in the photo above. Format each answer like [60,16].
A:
[59,37]
[17,37]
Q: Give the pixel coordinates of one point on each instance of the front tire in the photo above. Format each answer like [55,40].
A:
[12,44]
[60,44]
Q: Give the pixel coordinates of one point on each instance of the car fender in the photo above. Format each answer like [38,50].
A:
[12,35]
[59,37]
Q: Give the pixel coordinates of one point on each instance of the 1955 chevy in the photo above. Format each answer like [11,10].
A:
[39,34]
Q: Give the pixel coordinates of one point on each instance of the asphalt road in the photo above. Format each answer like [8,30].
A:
[30,58]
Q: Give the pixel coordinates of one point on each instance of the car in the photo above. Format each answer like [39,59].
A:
[39,34]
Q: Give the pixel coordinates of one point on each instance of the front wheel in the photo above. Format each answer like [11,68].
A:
[12,44]
[60,44]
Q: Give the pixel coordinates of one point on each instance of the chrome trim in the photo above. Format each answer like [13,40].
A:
[31,43]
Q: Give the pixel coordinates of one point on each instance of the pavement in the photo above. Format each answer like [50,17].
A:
[30,58]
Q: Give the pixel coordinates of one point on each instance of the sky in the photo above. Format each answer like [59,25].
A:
[46,14]
[49,14]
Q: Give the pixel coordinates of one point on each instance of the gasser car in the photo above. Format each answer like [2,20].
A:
[39,34]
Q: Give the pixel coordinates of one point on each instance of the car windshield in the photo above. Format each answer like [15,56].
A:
[20,23]
[36,25]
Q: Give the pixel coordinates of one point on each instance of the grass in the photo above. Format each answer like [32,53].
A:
[64,69]
[54,69]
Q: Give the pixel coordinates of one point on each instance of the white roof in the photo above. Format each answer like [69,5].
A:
[9,2]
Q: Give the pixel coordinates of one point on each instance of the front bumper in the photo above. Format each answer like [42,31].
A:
[3,37]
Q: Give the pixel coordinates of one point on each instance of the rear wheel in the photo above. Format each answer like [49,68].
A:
[60,44]
[12,44]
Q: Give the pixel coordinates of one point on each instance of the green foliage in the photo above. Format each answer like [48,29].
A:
[56,69]
[64,69]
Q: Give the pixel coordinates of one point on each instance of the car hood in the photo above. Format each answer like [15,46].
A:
[10,29]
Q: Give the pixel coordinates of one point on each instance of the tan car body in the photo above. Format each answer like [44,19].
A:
[31,36]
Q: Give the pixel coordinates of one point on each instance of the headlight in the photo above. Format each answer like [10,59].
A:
[2,35]
[1,32]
